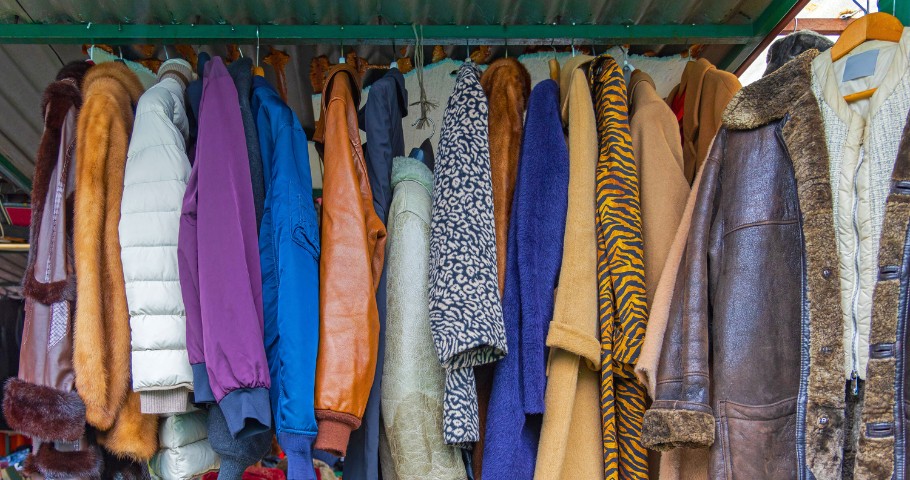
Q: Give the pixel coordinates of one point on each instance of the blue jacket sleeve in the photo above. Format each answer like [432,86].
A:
[296,242]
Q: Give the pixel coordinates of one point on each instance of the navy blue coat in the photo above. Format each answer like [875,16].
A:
[534,257]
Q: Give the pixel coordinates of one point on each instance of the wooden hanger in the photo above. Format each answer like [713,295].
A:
[874,26]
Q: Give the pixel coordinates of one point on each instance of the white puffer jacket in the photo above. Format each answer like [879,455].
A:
[185,450]
[157,169]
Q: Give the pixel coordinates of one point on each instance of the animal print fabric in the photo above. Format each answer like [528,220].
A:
[622,306]
[465,307]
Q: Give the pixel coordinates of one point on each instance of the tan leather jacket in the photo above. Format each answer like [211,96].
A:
[353,246]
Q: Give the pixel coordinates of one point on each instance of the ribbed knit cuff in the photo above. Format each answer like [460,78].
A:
[163,402]
[335,431]
[202,389]
[299,449]
[247,411]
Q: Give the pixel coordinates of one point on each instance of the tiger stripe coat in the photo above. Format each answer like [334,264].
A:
[622,304]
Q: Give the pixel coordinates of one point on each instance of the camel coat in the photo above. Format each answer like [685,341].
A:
[707,92]
[570,440]
[681,463]
[659,160]
[101,341]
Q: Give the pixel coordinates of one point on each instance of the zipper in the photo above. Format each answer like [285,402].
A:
[854,375]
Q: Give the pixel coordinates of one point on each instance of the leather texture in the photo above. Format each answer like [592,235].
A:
[353,243]
[752,360]
[411,445]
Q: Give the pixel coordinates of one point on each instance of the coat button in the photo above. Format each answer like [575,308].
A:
[826,273]
[826,350]
[823,420]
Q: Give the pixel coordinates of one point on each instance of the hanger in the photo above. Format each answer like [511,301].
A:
[341,59]
[120,51]
[394,63]
[875,26]
[554,64]
[467,49]
[573,47]
[257,70]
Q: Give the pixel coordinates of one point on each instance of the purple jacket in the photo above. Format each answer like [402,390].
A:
[218,252]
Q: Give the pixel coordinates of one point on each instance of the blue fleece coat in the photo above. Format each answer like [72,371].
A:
[534,256]
[289,255]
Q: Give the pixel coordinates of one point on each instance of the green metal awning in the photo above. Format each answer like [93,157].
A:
[731,30]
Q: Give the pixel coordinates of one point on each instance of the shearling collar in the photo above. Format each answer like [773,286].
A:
[407,168]
[772,97]
[116,72]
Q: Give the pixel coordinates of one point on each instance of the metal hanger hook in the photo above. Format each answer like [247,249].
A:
[257,45]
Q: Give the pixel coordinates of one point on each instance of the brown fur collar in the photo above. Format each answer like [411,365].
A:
[59,98]
[771,97]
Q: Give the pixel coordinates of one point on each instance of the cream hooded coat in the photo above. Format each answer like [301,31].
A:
[570,440]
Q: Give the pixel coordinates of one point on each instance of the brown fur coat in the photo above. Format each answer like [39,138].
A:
[101,352]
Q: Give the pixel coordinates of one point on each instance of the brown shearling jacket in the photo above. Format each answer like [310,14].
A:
[353,249]
[752,362]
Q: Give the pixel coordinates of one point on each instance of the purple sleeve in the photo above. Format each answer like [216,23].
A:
[188,265]
[230,279]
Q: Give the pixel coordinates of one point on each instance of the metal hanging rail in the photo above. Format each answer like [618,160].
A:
[375,34]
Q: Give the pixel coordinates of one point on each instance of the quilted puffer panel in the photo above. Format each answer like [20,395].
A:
[157,170]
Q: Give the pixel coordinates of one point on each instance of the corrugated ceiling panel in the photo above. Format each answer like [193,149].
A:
[350,12]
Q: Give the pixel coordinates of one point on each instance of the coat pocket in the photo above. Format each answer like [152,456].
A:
[758,441]
[306,234]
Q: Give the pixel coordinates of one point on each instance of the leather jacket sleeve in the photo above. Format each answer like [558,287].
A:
[681,415]
[353,243]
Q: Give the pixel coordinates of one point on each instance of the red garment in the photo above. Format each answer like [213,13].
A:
[253,473]
[678,105]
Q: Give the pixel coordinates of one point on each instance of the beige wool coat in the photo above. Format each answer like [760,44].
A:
[570,440]
[661,174]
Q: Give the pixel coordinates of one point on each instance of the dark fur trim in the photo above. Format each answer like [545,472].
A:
[54,464]
[43,412]
[59,98]
[665,429]
[771,97]
[875,457]
[809,154]
[75,70]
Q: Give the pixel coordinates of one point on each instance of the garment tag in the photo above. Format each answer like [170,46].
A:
[860,65]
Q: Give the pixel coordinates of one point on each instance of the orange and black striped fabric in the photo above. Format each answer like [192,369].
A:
[622,304]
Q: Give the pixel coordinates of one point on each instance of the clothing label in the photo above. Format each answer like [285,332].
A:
[860,65]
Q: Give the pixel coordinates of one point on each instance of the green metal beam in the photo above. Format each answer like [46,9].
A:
[762,27]
[374,34]
[14,175]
